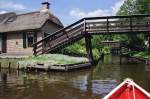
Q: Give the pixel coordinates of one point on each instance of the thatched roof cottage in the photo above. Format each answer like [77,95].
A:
[19,32]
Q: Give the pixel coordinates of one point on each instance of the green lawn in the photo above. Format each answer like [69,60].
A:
[52,59]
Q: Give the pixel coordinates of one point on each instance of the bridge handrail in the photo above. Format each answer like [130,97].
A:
[61,30]
[121,16]
[90,18]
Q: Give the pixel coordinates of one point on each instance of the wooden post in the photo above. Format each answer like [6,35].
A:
[149,43]
[18,67]
[9,67]
[120,48]
[121,44]
[88,44]
[44,46]
[34,50]
[0,66]
[89,48]
[4,76]
[131,24]
[107,25]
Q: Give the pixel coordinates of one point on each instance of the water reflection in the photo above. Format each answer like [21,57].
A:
[81,83]
[103,87]
[91,83]
[3,77]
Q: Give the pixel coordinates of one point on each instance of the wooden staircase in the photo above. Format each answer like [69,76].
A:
[92,26]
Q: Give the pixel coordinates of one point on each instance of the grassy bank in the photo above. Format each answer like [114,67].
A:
[51,59]
[136,54]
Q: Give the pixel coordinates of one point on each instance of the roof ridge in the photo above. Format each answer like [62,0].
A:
[28,13]
[7,13]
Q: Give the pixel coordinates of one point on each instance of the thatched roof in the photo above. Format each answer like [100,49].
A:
[5,16]
[10,22]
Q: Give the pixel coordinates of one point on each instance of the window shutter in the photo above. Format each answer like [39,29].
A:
[4,38]
[24,40]
[35,37]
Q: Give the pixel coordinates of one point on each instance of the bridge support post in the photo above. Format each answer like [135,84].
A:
[149,43]
[89,48]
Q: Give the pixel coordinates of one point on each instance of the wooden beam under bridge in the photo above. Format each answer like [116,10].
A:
[88,44]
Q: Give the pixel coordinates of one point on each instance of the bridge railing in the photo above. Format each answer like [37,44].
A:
[58,37]
[118,24]
[93,25]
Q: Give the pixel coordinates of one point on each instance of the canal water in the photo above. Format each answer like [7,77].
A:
[92,83]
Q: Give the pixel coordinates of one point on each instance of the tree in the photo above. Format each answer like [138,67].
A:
[143,6]
[131,7]
[134,7]
[127,8]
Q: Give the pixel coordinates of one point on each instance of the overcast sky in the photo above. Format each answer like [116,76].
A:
[67,10]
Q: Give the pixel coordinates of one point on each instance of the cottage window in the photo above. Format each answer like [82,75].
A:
[28,39]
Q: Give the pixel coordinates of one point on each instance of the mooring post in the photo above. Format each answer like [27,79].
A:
[148,60]
[9,64]
[0,66]
[121,44]
[88,44]
[18,67]
[149,43]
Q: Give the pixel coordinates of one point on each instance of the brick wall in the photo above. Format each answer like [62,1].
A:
[15,44]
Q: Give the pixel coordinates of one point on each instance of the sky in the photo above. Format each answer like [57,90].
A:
[68,11]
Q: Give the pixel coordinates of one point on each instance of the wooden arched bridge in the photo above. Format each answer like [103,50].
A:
[86,27]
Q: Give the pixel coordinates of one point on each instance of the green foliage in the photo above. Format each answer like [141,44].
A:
[106,50]
[129,7]
[137,54]
[122,38]
[143,6]
[79,49]
[96,53]
[75,49]
[141,55]
[135,7]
